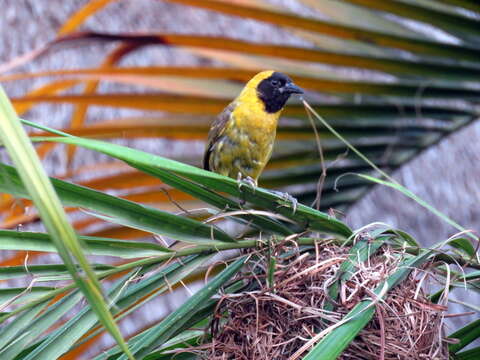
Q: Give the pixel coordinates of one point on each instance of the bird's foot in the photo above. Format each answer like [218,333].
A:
[248,181]
[287,198]
[245,181]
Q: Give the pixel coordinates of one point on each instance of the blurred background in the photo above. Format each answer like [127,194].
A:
[443,175]
[401,82]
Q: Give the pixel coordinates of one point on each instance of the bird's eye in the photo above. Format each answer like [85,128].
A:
[275,83]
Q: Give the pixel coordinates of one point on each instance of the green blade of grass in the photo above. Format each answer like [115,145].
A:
[53,216]
[143,343]
[465,245]
[465,335]
[199,192]
[14,295]
[184,339]
[50,270]
[316,220]
[40,324]
[62,339]
[136,215]
[305,216]
[472,354]
[55,344]
[213,198]
[138,294]
[391,182]
[156,165]
[14,240]
[8,332]
[199,249]
[419,201]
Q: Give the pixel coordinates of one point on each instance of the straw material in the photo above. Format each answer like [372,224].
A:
[272,323]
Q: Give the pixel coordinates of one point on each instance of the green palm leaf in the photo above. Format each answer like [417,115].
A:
[405,90]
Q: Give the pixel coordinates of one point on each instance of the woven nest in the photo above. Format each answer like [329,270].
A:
[265,323]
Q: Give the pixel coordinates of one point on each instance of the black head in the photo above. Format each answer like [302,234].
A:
[275,90]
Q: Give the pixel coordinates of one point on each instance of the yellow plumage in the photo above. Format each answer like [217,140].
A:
[241,139]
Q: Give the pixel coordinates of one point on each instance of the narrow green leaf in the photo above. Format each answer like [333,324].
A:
[137,215]
[211,197]
[9,331]
[471,275]
[41,271]
[181,356]
[404,237]
[15,240]
[391,183]
[304,215]
[15,295]
[472,354]
[316,220]
[136,294]
[143,343]
[420,201]
[40,324]
[57,343]
[464,245]
[195,250]
[53,216]
[465,335]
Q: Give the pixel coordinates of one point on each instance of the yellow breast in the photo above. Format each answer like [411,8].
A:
[254,129]
[251,116]
[247,141]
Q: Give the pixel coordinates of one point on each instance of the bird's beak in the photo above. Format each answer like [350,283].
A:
[291,88]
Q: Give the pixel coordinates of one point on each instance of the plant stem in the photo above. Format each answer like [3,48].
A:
[208,249]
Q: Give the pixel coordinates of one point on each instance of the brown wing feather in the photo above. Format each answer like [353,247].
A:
[216,130]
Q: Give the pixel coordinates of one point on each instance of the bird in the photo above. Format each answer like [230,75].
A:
[241,138]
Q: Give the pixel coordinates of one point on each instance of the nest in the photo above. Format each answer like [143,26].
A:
[278,323]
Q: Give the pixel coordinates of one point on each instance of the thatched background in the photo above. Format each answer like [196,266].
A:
[446,176]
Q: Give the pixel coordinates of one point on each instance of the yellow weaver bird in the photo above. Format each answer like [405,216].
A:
[240,141]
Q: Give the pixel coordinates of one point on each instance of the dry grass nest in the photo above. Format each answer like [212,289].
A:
[265,323]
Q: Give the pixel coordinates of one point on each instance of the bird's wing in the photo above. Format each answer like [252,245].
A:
[216,130]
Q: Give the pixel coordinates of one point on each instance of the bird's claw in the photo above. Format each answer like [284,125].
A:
[249,181]
[288,198]
[245,181]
